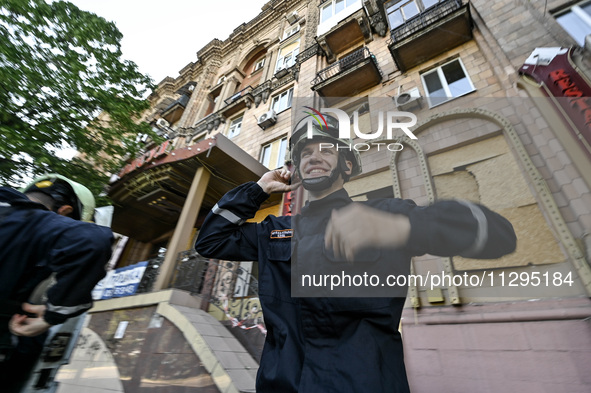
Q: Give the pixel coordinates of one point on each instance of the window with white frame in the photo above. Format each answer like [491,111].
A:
[446,82]
[332,8]
[287,55]
[291,31]
[576,21]
[273,154]
[234,128]
[282,101]
[258,65]
[399,11]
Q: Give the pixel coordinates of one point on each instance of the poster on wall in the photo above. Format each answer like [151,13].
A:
[120,282]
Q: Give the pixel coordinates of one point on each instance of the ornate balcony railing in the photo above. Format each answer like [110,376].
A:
[350,61]
[308,53]
[424,19]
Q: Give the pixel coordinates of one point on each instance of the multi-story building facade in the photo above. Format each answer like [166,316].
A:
[502,119]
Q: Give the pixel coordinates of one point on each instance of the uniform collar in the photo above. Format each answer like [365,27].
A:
[18,199]
[337,199]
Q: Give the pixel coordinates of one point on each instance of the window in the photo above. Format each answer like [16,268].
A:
[291,31]
[287,55]
[282,101]
[213,98]
[258,65]
[577,21]
[446,82]
[273,154]
[359,112]
[333,8]
[199,138]
[399,11]
[235,126]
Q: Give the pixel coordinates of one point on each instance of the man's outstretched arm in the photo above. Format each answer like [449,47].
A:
[446,228]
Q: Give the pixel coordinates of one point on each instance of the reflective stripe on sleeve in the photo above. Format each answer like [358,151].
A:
[481,232]
[63,310]
[228,215]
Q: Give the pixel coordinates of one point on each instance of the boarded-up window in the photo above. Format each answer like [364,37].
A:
[486,172]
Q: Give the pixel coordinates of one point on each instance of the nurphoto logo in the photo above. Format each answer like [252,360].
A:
[393,123]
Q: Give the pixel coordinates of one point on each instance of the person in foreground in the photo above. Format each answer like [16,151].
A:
[42,232]
[337,344]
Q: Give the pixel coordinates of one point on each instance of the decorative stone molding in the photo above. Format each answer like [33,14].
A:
[543,193]
[453,292]
[379,24]
[261,93]
[309,52]
[365,26]
[312,15]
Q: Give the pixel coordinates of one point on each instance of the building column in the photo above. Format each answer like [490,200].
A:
[184,228]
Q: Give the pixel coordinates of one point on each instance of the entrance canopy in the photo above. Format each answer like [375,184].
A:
[151,191]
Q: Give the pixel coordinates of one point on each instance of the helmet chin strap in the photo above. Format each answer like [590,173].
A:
[323,182]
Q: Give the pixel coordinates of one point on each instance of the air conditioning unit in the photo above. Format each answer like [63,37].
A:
[408,99]
[267,119]
[162,123]
[292,18]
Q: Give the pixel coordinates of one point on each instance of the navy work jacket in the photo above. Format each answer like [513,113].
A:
[35,242]
[330,345]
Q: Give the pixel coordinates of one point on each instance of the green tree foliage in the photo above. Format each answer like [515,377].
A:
[60,67]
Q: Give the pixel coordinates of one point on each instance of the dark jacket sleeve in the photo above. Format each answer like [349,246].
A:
[463,228]
[78,259]
[224,233]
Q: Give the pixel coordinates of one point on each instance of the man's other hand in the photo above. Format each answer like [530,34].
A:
[22,325]
[357,227]
[277,181]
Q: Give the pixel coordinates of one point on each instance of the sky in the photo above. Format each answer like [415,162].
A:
[163,36]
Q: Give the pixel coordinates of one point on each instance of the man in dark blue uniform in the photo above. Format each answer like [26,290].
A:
[42,232]
[347,343]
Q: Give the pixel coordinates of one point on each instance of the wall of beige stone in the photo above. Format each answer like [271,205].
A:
[505,33]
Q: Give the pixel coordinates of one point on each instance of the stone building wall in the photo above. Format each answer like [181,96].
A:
[498,145]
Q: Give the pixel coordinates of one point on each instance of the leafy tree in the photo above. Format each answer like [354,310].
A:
[60,67]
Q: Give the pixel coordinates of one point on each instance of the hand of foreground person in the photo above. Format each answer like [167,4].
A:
[356,227]
[277,180]
[23,325]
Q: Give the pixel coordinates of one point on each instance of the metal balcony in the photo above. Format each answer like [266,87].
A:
[354,29]
[237,102]
[349,75]
[432,32]
[238,95]
[174,111]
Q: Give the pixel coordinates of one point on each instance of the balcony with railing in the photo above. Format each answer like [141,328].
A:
[346,28]
[173,112]
[435,30]
[238,101]
[348,76]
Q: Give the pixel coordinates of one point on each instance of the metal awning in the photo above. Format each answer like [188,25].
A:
[151,191]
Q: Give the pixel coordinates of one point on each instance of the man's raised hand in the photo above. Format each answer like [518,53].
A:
[277,180]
